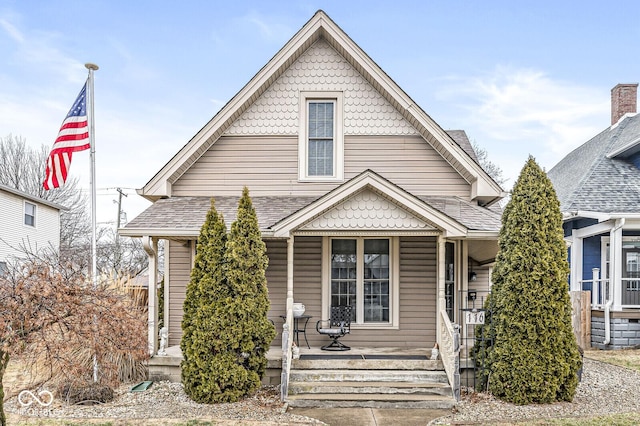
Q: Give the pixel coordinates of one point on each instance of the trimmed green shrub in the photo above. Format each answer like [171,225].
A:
[207,283]
[534,357]
[250,331]
[226,332]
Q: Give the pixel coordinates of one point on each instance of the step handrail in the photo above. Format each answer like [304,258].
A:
[450,352]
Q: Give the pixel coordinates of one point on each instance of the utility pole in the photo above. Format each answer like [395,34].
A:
[119,207]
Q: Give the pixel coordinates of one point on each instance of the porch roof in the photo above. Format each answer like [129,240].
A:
[182,217]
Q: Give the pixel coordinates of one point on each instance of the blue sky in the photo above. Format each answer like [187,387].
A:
[521,77]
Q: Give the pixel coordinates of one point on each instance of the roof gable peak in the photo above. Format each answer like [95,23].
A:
[321,26]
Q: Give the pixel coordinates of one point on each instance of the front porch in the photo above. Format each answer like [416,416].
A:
[167,367]
[384,377]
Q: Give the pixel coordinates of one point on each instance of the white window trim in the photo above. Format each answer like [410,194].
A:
[394,292]
[604,251]
[35,214]
[338,138]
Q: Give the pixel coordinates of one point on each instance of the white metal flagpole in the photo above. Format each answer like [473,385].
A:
[94,262]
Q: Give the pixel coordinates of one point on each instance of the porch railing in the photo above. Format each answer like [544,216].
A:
[602,291]
[450,352]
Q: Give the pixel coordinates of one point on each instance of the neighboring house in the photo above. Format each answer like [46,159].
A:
[361,197]
[28,222]
[598,186]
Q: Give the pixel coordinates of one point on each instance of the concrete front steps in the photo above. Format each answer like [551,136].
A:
[378,383]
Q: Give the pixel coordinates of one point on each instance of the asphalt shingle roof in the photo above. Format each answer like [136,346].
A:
[587,180]
[460,137]
[189,213]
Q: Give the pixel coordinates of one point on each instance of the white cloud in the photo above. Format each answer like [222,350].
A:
[516,112]
[12,31]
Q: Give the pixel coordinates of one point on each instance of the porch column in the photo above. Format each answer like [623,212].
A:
[575,280]
[615,264]
[441,305]
[151,247]
[289,311]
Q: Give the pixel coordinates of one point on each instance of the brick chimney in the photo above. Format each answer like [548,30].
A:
[624,100]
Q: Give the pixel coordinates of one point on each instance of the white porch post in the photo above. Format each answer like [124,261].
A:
[287,328]
[615,264]
[575,279]
[150,246]
[441,305]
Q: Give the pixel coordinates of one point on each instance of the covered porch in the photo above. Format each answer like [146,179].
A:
[605,261]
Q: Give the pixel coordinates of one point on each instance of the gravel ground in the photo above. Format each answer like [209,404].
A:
[605,389]
[165,400]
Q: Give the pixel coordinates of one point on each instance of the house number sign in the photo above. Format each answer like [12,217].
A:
[474,317]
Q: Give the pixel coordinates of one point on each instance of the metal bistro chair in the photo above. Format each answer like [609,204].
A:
[337,326]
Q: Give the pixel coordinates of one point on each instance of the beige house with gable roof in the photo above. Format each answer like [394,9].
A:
[343,167]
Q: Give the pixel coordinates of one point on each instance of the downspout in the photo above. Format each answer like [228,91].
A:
[614,262]
[151,247]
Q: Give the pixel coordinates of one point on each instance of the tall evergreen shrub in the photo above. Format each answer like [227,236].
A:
[248,331]
[226,332]
[534,357]
[203,295]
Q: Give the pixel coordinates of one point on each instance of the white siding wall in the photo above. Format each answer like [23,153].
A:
[15,234]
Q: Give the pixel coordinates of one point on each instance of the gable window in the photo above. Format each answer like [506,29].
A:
[320,144]
[362,276]
[29,214]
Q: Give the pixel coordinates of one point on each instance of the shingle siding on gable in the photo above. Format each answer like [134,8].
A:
[321,68]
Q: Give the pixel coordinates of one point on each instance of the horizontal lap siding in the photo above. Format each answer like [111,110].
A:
[408,162]
[277,284]
[417,300]
[417,291]
[180,257]
[179,275]
[268,165]
[307,281]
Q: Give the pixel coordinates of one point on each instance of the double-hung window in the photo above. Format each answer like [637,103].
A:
[320,136]
[362,276]
[29,214]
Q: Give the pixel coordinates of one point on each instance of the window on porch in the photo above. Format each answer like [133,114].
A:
[360,277]
[630,269]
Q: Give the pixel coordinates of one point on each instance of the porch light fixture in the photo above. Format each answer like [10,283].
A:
[473,276]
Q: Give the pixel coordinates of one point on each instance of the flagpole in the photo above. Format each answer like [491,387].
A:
[94,261]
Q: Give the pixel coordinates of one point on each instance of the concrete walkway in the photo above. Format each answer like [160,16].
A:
[371,416]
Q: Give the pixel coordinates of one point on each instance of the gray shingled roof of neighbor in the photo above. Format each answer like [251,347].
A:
[189,213]
[586,179]
[460,137]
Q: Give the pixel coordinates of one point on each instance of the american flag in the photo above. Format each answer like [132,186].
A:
[73,136]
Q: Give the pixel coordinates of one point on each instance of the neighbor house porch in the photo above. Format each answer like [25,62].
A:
[605,260]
